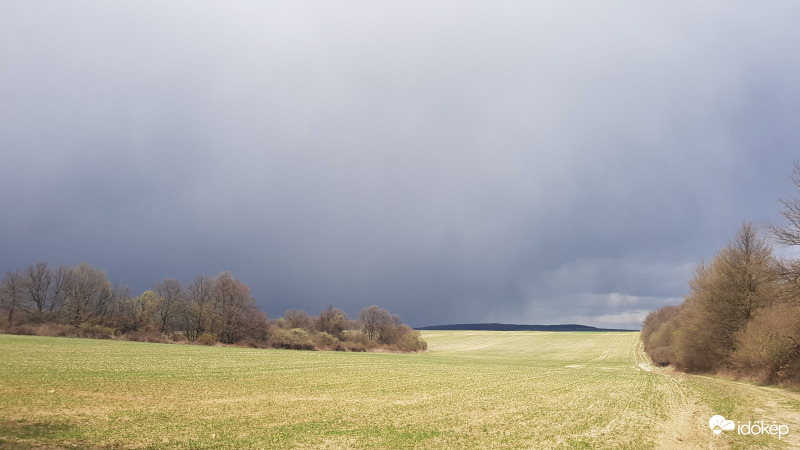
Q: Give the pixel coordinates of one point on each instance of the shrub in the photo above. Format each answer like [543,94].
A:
[358,337]
[252,343]
[25,330]
[298,319]
[354,347]
[295,339]
[658,327]
[94,332]
[332,321]
[412,341]
[53,329]
[206,339]
[661,356]
[391,334]
[767,348]
[325,340]
[58,330]
[145,336]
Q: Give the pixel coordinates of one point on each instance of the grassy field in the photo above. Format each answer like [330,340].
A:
[471,389]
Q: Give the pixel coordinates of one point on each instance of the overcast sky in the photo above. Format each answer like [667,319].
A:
[451,161]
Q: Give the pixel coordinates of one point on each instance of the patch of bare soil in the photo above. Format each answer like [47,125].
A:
[769,404]
[687,425]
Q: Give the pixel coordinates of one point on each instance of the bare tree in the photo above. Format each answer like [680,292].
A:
[125,311]
[11,293]
[37,281]
[747,275]
[726,294]
[376,322]
[89,295]
[60,285]
[170,294]
[789,234]
[232,304]
[196,311]
[332,321]
[298,319]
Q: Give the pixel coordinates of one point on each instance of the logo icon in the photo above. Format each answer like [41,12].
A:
[718,424]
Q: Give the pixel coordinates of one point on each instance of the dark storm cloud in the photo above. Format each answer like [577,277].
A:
[450,161]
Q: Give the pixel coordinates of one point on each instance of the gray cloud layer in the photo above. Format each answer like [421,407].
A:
[450,161]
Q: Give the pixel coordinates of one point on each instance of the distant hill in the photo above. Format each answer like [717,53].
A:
[510,327]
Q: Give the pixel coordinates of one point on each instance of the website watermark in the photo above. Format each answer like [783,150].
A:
[719,424]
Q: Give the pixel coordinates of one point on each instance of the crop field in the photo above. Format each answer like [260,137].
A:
[471,389]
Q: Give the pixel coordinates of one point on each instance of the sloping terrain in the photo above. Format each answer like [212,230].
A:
[472,389]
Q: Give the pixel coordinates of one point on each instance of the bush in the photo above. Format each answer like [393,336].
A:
[252,343]
[295,339]
[391,334]
[326,341]
[54,329]
[94,332]
[298,319]
[767,349]
[661,356]
[332,321]
[412,341]
[358,337]
[206,339]
[145,336]
[256,328]
[354,347]
[25,330]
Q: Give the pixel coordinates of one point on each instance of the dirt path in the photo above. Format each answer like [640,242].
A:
[769,404]
[687,423]
[688,414]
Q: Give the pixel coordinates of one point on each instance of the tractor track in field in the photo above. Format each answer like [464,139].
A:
[687,413]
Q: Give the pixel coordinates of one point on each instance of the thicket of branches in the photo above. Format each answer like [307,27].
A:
[80,301]
[743,313]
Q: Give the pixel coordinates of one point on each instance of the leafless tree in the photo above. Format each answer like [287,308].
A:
[171,295]
[747,275]
[89,295]
[125,313]
[36,283]
[196,311]
[332,321]
[789,234]
[726,295]
[376,322]
[298,319]
[11,293]
[60,285]
[232,304]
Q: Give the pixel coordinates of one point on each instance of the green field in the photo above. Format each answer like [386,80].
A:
[471,389]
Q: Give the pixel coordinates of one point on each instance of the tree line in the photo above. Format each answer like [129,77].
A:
[80,301]
[742,316]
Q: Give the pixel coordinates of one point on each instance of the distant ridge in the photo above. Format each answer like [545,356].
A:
[511,327]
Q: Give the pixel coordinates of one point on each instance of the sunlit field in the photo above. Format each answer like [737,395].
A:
[471,389]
